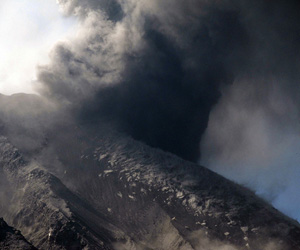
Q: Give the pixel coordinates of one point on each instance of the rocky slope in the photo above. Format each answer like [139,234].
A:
[12,239]
[89,187]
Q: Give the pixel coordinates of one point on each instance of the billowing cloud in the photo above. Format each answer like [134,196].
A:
[156,70]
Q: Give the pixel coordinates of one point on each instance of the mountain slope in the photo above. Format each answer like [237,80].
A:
[198,198]
[89,187]
[12,239]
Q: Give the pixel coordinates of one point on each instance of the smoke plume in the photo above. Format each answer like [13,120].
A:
[164,71]
[154,69]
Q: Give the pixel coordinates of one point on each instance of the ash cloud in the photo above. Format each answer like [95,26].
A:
[162,71]
[155,71]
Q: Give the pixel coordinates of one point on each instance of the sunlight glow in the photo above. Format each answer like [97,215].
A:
[28,31]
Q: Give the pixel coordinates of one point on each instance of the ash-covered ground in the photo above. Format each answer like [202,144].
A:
[86,186]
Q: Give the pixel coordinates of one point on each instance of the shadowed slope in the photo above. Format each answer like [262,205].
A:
[12,239]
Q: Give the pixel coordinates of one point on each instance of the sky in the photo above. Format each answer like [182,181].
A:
[214,82]
[28,29]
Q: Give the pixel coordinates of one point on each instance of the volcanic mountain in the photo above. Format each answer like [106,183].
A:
[69,185]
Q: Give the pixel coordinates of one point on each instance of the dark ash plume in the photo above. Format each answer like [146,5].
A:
[155,69]
[155,74]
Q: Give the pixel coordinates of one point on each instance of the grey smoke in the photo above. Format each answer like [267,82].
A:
[162,71]
[257,145]
[154,73]
[253,132]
